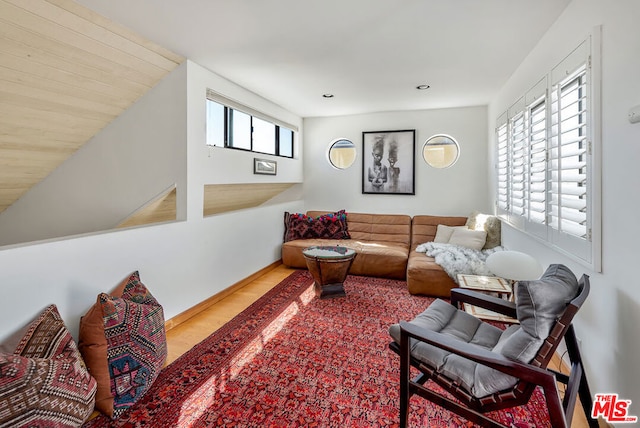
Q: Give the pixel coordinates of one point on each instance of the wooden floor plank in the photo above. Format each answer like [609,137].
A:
[184,336]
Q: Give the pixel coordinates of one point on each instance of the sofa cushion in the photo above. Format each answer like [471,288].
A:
[327,226]
[425,276]
[381,242]
[490,224]
[377,227]
[122,339]
[444,232]
[44,381]
[384,259]
[424,227]
[468,238]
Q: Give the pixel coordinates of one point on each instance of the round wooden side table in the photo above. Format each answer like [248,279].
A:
[329,266]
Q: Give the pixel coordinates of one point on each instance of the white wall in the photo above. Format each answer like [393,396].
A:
[457,190]
[182,262]
[217,165]
[608,323]
[92,190]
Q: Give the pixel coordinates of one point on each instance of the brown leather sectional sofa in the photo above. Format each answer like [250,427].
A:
[385,244]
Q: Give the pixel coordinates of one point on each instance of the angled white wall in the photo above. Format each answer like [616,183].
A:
[457,190]
[182,262]
[608,322]
[132,160]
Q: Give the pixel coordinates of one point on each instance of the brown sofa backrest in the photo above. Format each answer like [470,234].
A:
[376,227]
[424,227]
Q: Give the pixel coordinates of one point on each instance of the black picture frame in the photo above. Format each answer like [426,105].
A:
[388,162]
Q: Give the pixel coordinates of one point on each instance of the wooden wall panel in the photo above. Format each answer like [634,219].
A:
[65,73]
[160,209]
[220,198]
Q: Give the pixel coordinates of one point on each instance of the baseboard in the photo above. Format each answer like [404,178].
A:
[205,304]
[561,365]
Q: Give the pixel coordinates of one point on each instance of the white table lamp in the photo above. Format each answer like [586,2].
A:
[514,265]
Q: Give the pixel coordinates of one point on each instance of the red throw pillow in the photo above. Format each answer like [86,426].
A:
[123,342]
[44,381]
[328,226]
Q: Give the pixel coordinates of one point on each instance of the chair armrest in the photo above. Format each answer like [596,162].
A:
[492,303]
[526,372]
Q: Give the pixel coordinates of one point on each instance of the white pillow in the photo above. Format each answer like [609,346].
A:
[473,239]
[444,232]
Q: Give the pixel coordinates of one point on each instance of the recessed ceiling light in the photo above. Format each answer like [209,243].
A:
[327,95]
[422,87]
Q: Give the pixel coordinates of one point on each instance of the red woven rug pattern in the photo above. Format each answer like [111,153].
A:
[293,360]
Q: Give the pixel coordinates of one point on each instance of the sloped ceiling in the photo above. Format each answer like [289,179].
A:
[65,73]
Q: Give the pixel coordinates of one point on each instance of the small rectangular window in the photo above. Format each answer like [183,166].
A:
[285,142]
[239,129]
[230,124]
[264,136]
[215,124]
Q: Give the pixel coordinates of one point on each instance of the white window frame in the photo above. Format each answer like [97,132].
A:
[537,141]
[524,213]
[230,107]
[502,167]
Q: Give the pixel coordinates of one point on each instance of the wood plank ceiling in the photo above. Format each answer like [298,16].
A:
[65,73]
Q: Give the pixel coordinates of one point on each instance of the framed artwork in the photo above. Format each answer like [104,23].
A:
[388,162]
[264,166]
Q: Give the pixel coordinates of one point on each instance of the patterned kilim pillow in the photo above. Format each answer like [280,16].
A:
[45,383]
[328,226]
[134,349]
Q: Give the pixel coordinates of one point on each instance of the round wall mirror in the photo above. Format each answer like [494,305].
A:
[342,153]
[441,151]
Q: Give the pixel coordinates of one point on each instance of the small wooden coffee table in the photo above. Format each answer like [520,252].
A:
[491,285]
[329,266]
[487,284]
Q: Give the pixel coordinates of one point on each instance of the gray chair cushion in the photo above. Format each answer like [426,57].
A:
[538,304]
[444,318]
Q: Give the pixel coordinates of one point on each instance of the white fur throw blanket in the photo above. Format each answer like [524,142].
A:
[455,259]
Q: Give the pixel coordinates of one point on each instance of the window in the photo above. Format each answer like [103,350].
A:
[569,159]
[518,161]
[238,131]
[229,124]
[536,160]
[502,197]
[285,145]
[545,163]
[264,136]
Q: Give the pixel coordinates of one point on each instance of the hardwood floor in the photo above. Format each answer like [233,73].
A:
[185,335]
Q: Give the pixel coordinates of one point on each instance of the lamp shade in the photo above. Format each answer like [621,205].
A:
[514,265]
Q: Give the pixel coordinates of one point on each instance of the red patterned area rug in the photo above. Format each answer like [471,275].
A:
[293,360]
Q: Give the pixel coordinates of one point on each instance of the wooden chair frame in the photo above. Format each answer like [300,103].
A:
[531,375]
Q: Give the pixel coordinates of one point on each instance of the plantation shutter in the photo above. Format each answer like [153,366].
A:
[502,166]
[536,100]
[569,214]
[547,158]
[518,163]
